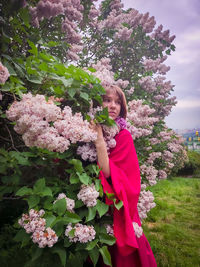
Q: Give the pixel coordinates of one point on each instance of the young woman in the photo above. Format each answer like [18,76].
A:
[121,175]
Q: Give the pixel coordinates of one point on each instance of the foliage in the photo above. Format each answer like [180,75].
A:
[192,166]
[39,60]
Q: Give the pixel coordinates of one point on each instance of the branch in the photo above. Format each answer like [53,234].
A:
[11,138]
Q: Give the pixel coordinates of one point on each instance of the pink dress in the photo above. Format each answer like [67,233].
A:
[129,251]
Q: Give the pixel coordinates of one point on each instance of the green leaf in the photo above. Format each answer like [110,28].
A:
[94,255]
[107,239]
[39,186]
[118,205]
[46,192]
[50,219]
[92,244]
[97,184]
[36,254]
[84,178]
[77,165]
[110,196]
[101,207]
[66,82]
[22,160]
[71,217]
[21,234]
[33,201]
[34,50]
[59,227]
[60,206]
[74,179]
[10,69]
[106,255]
[24,191]
[91,213]
[84,96]
[62,254]
[37,80]
[71,91]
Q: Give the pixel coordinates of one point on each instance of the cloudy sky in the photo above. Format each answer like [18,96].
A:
[182,18]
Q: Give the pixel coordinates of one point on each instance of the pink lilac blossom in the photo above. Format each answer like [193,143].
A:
[32,221]
[109,229]
[150,173]
[72,10]
[33,115]
[133,18]
[153,156]
[4,74]
[162,174]
[45,238]
[137,229]
[145,203]
[70,203]
[88,194]
[1,96]
[139,119]
[160,35]
[148,84]
[156,66]
[82,233]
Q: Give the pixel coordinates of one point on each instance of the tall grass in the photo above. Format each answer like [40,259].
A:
[173,226]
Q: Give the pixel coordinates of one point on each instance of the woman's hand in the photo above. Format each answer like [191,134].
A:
[98,129]
[102,154]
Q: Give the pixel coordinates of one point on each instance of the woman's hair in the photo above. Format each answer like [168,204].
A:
[121,95]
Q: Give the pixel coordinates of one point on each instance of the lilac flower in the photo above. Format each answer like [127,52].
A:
[4,74]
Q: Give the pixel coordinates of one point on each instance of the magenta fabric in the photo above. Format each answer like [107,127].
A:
[129,250]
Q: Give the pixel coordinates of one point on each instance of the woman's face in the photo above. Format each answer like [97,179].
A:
[112,101]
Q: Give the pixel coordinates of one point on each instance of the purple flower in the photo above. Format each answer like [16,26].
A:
[121,122]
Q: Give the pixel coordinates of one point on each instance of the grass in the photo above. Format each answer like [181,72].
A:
[173,226]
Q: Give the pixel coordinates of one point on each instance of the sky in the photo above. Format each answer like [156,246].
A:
[182,18]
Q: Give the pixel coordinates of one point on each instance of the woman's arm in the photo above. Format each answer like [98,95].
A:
[102,154]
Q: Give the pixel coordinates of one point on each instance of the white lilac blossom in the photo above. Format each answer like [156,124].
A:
[137,229]
[88,194]
[4,74]
[82,233]
[70,203]
[33,115]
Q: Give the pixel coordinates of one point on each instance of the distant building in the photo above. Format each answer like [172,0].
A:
[193,143]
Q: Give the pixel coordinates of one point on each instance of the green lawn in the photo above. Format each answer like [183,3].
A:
[173,226]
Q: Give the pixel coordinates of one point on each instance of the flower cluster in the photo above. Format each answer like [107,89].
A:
[81,233]
[139,119]
[150,173]
[4,74]
[33,223]
[137,229]
[88,151]
[156,65]
[109,229]
[70,203]
[88,194]
[72,10]
[34,116]
[145,203]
